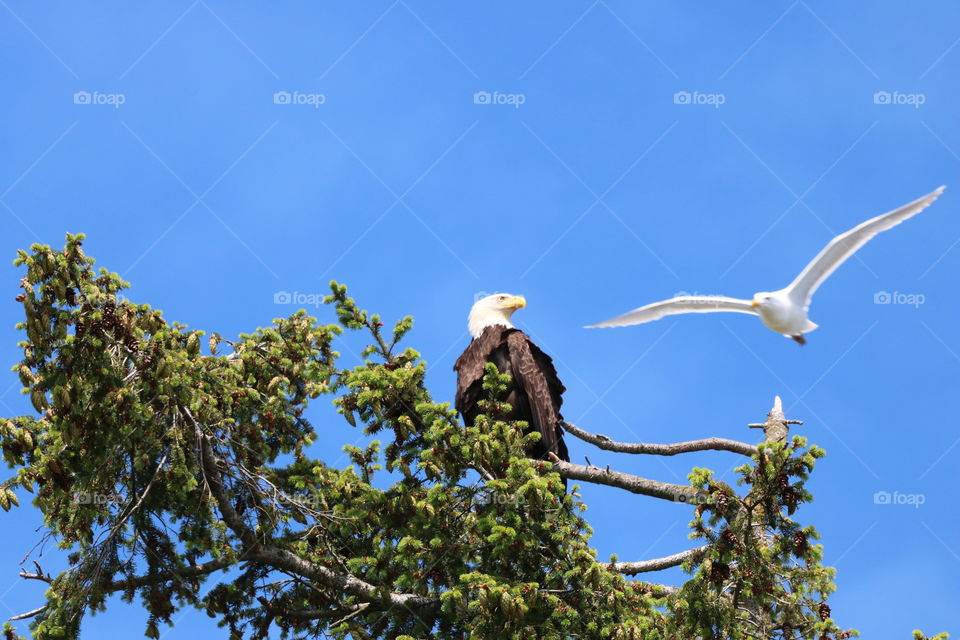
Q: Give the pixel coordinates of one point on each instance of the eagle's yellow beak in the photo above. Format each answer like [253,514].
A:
[754,304]
[516,302]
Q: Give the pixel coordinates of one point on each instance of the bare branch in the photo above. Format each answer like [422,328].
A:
[357,611]
[657,564]
[35,576]
[716,444]
[303,615]
[634,484]
[29,614]
[662,590]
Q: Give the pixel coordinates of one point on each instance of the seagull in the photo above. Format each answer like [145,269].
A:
[783,311]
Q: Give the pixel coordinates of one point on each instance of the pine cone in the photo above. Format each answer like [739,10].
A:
[719,571]
[800,544]
[730,538]
[722,500]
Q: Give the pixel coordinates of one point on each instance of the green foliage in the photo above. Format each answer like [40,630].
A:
[760,560]
[157,465]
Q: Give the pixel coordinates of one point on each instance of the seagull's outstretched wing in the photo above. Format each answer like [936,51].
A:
[680,304]
[846,244]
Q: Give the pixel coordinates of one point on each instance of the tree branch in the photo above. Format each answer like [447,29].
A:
[657,564]
[662,590]
[632,483]
[258,550]
[716,444]
[282,559]
[191,571]
[29,614]
[777,427]
[303,615]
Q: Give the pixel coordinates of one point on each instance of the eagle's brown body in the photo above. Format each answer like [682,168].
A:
[534,393]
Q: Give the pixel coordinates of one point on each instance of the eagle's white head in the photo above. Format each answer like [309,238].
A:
[493,310]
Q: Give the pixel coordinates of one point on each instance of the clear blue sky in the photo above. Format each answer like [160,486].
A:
[581,184]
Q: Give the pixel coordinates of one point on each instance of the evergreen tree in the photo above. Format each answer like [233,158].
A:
[159,464]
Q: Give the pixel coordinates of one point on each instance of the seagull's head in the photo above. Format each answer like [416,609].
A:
[493,310]
[763,299]
[773,307]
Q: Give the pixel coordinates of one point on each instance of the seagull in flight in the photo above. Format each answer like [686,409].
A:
[783,311]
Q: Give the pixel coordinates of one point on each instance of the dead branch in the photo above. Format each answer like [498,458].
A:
[657,564]
[716,444]
[29,614]
[634,484]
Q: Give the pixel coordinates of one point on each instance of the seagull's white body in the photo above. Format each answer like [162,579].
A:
[783,311]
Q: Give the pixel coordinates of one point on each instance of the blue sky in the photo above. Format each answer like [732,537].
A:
[622,152]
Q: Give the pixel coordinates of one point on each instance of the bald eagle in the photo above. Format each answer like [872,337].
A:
[534,392]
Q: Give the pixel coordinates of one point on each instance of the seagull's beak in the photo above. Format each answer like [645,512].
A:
[517,302]
[754,303]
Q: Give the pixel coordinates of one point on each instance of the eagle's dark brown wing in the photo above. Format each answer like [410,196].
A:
[469,368]
[536,377]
